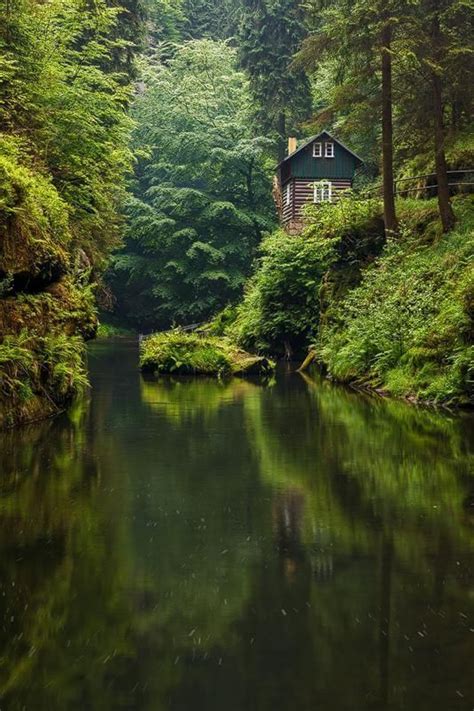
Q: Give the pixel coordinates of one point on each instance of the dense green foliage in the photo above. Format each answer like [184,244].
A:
[212,19]
[31,367]
[64,88]
[201,194]
[401,321]
[342,53]
[63,109]
[178,352]
[282,300]
[272,31]
[408,328]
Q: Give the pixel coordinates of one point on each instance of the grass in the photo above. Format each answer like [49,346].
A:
[407,328]
[178,352]
[108,330]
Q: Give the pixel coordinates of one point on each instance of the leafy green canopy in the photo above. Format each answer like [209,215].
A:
[272,31]
[65,70]
[201,192]
[212,19]
[63,101]
[341,53]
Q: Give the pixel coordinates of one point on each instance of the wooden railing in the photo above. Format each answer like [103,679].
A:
[454,181]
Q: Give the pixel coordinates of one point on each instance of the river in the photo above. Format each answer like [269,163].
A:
[194,545]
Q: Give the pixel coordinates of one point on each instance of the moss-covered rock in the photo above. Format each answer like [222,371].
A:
[39,375]
[46,307]
[179,352]
[34,225]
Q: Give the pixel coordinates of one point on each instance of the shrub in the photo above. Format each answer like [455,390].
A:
[283,298]
[39,375]
[191,353]
[407,327]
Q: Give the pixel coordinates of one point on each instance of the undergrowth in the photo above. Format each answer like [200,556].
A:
[408,327]
[39,375]
[282,300]
[395,316]
[192,353]
[109,330]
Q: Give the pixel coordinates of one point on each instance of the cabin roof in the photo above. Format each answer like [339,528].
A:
[315,138]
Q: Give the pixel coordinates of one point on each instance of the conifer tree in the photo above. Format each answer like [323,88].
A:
[361,36]
[272,32]
[438,46]
[212,19]
[128,35]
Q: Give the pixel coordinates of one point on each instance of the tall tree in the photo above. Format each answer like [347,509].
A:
[212,19]
[386,31]
[164,22]
[439,44]
[272,32]
[445,209]
[128,36]
[201,190]
[360,37]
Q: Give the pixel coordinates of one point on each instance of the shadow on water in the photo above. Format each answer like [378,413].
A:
[205,545]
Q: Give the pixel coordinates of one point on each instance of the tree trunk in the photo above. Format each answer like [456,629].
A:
[390,217]
[281,130]
[445,210]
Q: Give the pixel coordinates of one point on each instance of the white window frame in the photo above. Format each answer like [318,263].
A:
[287,194]
[317,150]
[322,192]
[329,150]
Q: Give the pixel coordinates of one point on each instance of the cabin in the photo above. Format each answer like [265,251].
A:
[318,172]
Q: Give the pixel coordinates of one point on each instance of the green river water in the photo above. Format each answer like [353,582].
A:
[191,545]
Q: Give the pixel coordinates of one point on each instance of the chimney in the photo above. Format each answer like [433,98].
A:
[292,145]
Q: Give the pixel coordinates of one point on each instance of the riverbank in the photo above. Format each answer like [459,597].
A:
[42,363]
[392,316]
[180,353]
[47,308]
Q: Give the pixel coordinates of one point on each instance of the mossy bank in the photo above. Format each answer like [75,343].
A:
[180,353]
[46,305]
[395,316]
[64,136]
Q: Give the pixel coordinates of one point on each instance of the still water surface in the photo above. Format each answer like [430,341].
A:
[191,545]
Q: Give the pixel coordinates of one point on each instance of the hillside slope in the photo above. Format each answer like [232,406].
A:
[395,316]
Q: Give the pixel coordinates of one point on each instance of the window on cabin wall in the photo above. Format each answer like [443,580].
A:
[288,194]
[317,150]
[323,191]
[329,150]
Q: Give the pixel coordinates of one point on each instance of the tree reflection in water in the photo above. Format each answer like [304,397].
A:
[181,544]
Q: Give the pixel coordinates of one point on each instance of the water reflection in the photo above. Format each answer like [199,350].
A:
[192,544]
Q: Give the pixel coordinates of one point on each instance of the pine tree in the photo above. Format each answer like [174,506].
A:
[360,37]
[128,36]
[212,19]
[439,47]
[271,34]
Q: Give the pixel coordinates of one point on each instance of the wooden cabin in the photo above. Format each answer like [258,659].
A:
[318,171]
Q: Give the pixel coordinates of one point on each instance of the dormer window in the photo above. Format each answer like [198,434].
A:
[323,191]
[329,150]
[317,150]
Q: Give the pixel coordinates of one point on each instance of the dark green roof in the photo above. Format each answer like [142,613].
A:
[315,138]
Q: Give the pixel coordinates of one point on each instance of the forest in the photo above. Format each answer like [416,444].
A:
[139,141]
